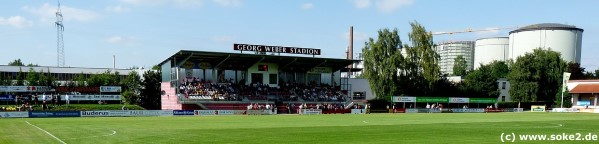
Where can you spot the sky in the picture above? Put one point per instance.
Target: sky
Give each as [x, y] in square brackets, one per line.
[143, 33]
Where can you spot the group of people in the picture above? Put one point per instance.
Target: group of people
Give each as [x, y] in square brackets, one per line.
[26, 102]
[194, 87]
[313, 92]
[257, 106]
[434, 106]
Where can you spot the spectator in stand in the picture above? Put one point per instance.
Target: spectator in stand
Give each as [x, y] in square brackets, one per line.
[35, 98]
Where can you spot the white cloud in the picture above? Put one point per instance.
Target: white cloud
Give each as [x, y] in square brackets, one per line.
[229, 2]
[307, 6]
[362, 3]
[359, 37]
[178, 3]
[16, 21]
[222, 38]
[117, 9]
[47, 13]
[385, 6]
[392, 5]
[120, 40]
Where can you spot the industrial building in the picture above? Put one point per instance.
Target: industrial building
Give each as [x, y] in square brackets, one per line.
[565, 39]
[448, 51]
[487, 50]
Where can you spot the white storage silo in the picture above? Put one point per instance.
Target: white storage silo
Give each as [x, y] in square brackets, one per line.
[487, 50]
[565, 39]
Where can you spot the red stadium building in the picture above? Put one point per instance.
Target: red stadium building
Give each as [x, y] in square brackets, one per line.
[258, 74]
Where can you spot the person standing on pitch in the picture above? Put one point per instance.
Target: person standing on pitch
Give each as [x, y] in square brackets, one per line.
[66, 98]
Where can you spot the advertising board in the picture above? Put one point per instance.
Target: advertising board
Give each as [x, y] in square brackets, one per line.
[43, 114]
[14, 114]
[311, 111]
[358, 111]
[537, 108]
[182, 112]
[95, 113]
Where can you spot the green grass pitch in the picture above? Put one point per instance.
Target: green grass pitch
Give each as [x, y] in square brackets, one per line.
[311, 129]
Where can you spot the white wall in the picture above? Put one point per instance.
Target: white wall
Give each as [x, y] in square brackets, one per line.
[361, 85]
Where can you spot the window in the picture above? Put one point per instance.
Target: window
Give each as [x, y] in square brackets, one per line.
[263, 67]
[272, 79]
[502, 98]
[503, 85]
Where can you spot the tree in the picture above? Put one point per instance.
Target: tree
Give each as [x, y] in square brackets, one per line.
[577, 72]
[536, 77]
[80, 80]
[482, 82]
[20, 78]
[381, 59]
[422, 42]
[32, 65]
[42, 78]
[32, 77]
[132, 84]
[459, 66]
[150, 94]
[567, 98]
[17, 62]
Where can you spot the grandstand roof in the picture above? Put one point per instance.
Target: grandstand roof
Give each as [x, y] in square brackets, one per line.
[242, 61]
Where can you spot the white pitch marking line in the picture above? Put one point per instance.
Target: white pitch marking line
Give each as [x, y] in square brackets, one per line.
[113, 133]
[364, 121]
[47, 133]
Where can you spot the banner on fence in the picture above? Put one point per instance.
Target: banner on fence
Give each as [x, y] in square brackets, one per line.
[14, 114]
[260, 112]
[41, 114]
[565, 110]
[468, 110]
[169, 112]
[411, 110]
[95, 113]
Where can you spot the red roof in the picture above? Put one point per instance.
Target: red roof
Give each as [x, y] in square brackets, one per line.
[585, 88]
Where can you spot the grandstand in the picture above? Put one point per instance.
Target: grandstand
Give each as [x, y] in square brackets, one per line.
[232, 81]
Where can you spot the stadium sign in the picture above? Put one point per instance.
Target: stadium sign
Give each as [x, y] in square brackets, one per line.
[64, 89]
[110, 89]
[276, 49]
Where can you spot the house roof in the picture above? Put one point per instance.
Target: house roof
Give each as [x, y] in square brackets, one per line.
[585, 88]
